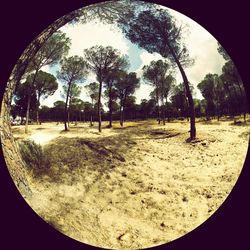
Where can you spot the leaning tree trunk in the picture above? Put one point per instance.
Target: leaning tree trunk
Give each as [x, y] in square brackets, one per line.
[99, 108]
[11, 153]
[188, 93]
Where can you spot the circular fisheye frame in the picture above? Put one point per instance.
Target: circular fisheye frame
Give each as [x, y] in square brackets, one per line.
[125, 125]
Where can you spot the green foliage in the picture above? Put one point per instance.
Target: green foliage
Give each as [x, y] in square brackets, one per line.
[126, 84]
[179, 100]
[45, 84]
[92, 91]
[156, 74]
[156, 30]
[32, 154]
[51, 52]
[21, 96]
[103, 60]
[73, 70]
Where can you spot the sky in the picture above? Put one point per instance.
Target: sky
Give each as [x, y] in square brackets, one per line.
[201, 44]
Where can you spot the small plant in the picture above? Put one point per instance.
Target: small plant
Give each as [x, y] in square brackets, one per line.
[32, 154]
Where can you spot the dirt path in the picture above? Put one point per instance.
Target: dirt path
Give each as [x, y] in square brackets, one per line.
[45, 135]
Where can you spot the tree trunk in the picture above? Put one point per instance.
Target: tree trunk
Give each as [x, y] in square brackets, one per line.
[37, 110]
[91, 120]
[27, 114]
[188, 93]
[99, 108]
[110, 106]
[110, 116]
[163, 114]
[121, 116]
[159, 109]
[68, 117]
[66, 108]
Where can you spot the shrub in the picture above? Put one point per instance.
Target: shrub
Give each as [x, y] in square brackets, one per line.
[32, 154]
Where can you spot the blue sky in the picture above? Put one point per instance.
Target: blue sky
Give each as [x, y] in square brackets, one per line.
[201, 44]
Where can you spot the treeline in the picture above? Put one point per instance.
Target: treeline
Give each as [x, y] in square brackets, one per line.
[224, 94]
[115, 87]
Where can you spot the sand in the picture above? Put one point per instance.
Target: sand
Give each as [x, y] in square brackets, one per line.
[163, 189]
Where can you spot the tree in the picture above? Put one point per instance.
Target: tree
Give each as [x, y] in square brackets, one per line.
[126, 85]
[130, 107]
[49, 54]
[112, 77]
[58, 110]
[92, 90]
[25, 94]
[234, 85]
[147, 108]
[45, 85]
[102, 61]
[73, 70]
[179, 101]
[156, 74]
[74, 92]
[77, 106]
[208, 91]
[157, 31]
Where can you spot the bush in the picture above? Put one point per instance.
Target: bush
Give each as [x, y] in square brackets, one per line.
[32, 154]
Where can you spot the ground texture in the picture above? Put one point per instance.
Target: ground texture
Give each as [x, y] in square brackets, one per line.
[138, 186]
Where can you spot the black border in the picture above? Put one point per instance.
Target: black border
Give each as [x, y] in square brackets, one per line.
[21, 21]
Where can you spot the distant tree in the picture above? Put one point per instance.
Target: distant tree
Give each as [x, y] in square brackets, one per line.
[112, 77]
[25, 95]
[102, 61]
[58, 110]
[156, 74]
[49, 54]
[130, 107]
[234, 85]
[46, 113]
[157, 31]
[147, 108]
[92, 90]
[179, 101]
[74, 93]
[77, 106]
[212, 90]
[87, 113]
[73, 70]
[126, 86]
[45, 85]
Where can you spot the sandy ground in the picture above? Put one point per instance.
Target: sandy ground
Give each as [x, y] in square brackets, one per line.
[162, 189]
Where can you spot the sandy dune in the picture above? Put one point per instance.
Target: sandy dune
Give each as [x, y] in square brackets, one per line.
[164, 187]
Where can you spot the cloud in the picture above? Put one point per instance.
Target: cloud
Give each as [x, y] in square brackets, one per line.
[94, 33]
